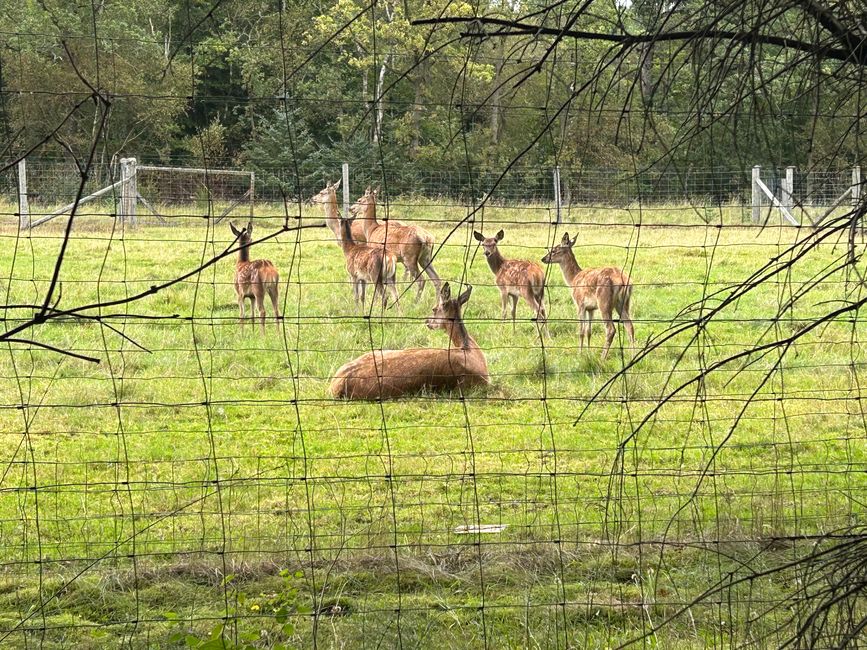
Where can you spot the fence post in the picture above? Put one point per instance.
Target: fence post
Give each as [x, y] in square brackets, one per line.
[345, 190]
[856, 184]
[788, 189]
[252, 192]
[757, 195]
[128, 190]
[23, 204]
[558, 204]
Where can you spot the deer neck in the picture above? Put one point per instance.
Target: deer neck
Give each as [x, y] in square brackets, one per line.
[459, 336]
[569, 267]
[496, 261]
[345, 236]
[370, 223]
[244, 254]
[332, 214]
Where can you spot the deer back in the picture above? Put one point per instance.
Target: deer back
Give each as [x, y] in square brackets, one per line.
[604, 287]
[392, 373]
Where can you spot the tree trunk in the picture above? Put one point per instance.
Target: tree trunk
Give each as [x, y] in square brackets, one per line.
[379, 109]
[496, 97]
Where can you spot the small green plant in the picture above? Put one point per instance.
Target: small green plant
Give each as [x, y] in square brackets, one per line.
[282, 605]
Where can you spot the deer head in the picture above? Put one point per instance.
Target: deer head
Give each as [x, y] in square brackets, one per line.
[365, 203]
[447, 311]
[560, 252]
[489, 243]
[244, 235]
[328, 194]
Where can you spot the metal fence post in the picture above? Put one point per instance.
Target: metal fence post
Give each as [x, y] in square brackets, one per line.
[128, 190]
[23, 204]
[252, 193]
[757, 195]
[345, 190]
[788, 189]
[558, 204]
[856, 184]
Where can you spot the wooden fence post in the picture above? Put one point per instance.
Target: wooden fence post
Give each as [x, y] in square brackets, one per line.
[345, 183]
[757, 195]
[128, 190]
[23, 203]
[558, 203]
[856, 184]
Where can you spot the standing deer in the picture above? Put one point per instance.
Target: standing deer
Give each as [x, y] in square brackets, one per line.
[327, 198]
[413, 246]
[515, 278]
[603, 289]
[367, 265]
[254, 279]
[385, 374]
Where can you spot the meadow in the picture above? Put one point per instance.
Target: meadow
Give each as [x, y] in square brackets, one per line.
[198, 480]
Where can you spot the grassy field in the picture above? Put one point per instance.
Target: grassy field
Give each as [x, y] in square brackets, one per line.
[199, 473]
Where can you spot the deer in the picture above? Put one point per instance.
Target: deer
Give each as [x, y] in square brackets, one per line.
[387, 374]
[254, 279]
[515, 279]
[367, 265]
[605, 289]
[327, 198]
[413, 246]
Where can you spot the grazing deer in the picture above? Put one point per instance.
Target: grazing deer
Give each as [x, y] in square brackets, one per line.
[413, 246]
[515, 278]
[384, 374]
[254, 279]
[603, 289]
[367, 265]
[327, 198]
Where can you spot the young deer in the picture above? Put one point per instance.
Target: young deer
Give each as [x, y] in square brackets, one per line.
[367, 264]
[413, 246]
[385, 374]
[516, 278]
[327, 198]
[603, 289]
[254, 279]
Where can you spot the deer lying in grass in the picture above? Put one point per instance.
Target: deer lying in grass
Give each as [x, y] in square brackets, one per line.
[254, 279]
[327, 198]
[367, 265]
[603, 289]
[515, 278]
[385, 374]
[413, 246]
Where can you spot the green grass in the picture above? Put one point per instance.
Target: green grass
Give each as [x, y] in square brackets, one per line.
[133, 486]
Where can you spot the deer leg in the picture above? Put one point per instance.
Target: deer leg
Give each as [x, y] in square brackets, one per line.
[252, 311]
[260, 307]
[362, 290]
[241, 300]
[610, 331]
[514, 309]
[272, 292]
[393, 290]
[416, 276]
[504, 301]
[626, 319]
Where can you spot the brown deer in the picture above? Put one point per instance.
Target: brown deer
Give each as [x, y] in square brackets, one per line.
[367, 265]
[603, 289]
[385, 374]
[254, 279]
[413, 246]
[327, 198]
[515, 278]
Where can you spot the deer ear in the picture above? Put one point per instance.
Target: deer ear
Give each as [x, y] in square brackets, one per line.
[445, 292]
[479, 236]
[465, 295]
[500, 235]
[250, 228]
[235, 231]
[376, 190]
[566, 241]
[337, 184]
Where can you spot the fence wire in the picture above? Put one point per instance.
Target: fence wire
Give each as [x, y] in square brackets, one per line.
[173, 476]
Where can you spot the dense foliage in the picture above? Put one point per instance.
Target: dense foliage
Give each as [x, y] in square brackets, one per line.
[297, 85]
